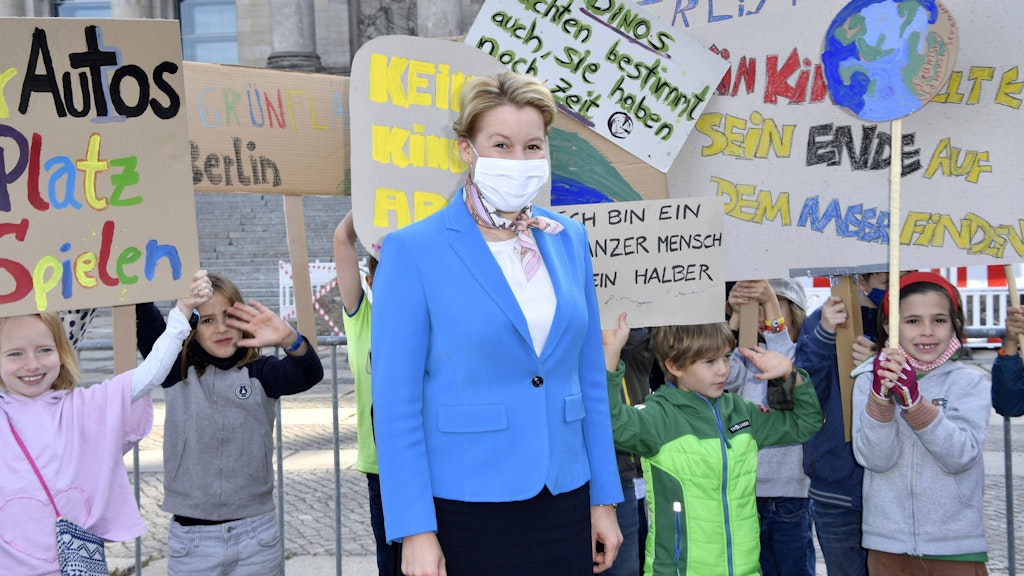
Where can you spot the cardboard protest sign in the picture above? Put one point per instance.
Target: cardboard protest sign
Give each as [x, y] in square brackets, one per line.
[267, 131]
[695, 13]
[660, 261]
[610, 64]
[96, 205]
[805, 184]
[404, 98]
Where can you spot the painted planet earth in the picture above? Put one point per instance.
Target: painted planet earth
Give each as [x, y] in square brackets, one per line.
[885, 59]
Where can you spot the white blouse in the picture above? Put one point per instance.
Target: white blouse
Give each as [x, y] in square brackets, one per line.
[536, 298]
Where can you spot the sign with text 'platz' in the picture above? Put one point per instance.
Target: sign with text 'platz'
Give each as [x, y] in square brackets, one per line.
[96, 203]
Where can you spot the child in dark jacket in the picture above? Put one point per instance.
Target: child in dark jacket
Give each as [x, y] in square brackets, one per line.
[1008, 369]
[836, 477]
[218, 434]
[699, 447]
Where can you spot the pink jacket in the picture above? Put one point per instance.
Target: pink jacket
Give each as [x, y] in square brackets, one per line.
[78, 440]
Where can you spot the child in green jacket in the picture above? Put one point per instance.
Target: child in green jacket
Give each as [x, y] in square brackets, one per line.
[699, 447]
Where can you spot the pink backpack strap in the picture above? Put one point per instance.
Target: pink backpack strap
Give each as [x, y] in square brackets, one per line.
[33, 463]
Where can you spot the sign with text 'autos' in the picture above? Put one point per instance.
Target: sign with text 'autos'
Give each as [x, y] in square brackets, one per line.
[610, 64]
[96, 204]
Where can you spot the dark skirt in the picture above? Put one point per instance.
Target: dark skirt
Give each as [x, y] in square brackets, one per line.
[545, 535]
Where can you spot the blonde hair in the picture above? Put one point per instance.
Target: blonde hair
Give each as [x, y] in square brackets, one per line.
[484, 93]
[686, 345]
[797, 315]
[70, 372]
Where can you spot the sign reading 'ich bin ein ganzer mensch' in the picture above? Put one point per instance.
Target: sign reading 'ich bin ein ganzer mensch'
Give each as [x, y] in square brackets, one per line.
[659, 261]
[610, 64]
[96, 201]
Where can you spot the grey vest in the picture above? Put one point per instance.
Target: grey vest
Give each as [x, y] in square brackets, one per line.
[218, 446]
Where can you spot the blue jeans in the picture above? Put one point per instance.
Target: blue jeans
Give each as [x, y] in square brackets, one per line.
[246, 547]
[627, 563]
[838, 531]
[787, 545]
[389, 560]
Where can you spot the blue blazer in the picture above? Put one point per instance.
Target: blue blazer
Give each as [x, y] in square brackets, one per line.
[464, 409]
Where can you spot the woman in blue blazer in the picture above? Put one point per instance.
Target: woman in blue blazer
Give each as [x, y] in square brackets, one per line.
[490, 406]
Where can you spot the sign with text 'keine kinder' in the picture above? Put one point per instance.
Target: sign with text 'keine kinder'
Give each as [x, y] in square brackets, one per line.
[267, 131]
[96, 205]
[659, 261]
[610, 64]
[405, 95]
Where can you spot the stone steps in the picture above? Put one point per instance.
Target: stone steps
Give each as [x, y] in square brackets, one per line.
[244, 236]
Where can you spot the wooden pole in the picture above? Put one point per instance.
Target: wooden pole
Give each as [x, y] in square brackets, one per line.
[748, 324]
[299, 255]
[846, 289]
[895, 171]
[124, 338]
[1011, 282]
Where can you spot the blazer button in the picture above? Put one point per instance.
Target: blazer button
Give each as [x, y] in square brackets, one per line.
[537, 381]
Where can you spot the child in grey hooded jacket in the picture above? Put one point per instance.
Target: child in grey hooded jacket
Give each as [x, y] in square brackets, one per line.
[924, 476]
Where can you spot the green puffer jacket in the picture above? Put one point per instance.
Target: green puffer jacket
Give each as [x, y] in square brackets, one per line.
[702, 454]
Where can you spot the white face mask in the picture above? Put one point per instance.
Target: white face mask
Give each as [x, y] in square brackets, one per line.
[509, 185]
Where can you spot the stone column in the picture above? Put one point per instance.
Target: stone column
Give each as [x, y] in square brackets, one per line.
[14, 8]
[293, 36]
[131, 9]
[439, 18]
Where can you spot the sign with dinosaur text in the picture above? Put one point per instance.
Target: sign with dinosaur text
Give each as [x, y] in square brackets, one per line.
[96, 205]
[610, 64]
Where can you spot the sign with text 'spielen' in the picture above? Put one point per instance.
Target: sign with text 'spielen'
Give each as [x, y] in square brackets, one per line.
[96, 201]
[610, 64]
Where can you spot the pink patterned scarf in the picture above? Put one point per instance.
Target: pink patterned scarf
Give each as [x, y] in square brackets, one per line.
[919, 367]
[489, 217]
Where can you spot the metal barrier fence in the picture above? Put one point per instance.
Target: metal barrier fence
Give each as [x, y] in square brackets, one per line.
[335, 341]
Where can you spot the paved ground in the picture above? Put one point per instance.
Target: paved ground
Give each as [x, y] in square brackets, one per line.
[310, 494]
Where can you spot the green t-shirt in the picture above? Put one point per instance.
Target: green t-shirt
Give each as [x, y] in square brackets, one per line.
[357, 332]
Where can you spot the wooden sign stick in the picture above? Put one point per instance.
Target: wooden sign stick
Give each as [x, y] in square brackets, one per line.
[748, 324]
[895, 171]
[124, 338]
[1011, 282]
[298, 253]
[846, 290]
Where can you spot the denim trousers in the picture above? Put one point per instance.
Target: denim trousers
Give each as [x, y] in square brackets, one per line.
[246, 547]
[838, 529]
[787, 544]
[629, 560]
[389, 558]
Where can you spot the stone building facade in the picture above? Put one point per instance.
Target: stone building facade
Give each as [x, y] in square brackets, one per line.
[310, 35]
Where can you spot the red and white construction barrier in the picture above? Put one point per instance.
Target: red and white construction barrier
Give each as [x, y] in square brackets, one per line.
[323, 278]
